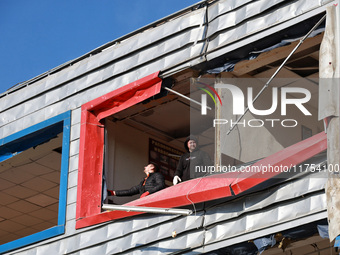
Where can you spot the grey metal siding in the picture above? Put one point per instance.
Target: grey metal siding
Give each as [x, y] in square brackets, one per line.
[176, 44]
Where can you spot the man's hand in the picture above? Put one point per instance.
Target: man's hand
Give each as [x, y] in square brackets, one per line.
[145, 194]
[176, 180]
[111, 192]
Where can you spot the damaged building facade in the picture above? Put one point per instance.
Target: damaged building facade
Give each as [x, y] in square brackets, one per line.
[95, 122]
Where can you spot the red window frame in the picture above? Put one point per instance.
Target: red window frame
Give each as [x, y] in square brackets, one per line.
[91, 144]
[91, 150]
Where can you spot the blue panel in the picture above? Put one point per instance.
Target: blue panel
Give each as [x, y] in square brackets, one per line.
[35, 128]
[31, 140]
[64, 171]
[7, 155]
[43, 235]
[337, 242]
[31, 137]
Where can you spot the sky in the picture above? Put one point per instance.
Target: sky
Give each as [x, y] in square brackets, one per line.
[38, 35]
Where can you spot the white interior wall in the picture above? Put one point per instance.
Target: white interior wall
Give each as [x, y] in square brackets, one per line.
[127, 154]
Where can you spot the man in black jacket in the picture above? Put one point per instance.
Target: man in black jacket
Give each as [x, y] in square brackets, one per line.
[154, 181]
[186, 168]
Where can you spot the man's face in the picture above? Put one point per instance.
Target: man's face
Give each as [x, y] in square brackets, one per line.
[149, 169]
[192, 145]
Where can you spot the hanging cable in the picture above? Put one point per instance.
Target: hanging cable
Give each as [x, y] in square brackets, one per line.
[277, 71]
[185, 97]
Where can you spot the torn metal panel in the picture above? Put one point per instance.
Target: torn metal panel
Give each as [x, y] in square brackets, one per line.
[223, 48]
[232, 19]
[229, 65]
[260, 233]
[283, 212]
[160, 232]
[284, 192]
[175, 245]
[261, 23]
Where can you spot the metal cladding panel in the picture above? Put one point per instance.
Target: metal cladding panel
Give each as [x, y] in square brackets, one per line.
[168, 246]
[123, 235]
[260, 22]
[72, 197]
[177, 245]
[224, 6]
[151, 36]
[75, 132]
[222, 44]
[73, 176]
[39, 112]
[78, 92]
[158, 233]
[233, 18]
[73, 164]
[284, 192]
[75, 118]
[280, 226]
[283, 212]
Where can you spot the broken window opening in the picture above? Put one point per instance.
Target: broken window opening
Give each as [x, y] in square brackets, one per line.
[34, 183]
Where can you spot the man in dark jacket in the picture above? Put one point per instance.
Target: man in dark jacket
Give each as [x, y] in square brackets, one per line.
[186, 168]
[154, 181]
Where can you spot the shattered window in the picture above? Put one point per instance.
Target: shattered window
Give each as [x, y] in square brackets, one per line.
[31, 198]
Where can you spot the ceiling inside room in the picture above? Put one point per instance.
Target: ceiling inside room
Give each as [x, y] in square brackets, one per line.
[29, 190]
